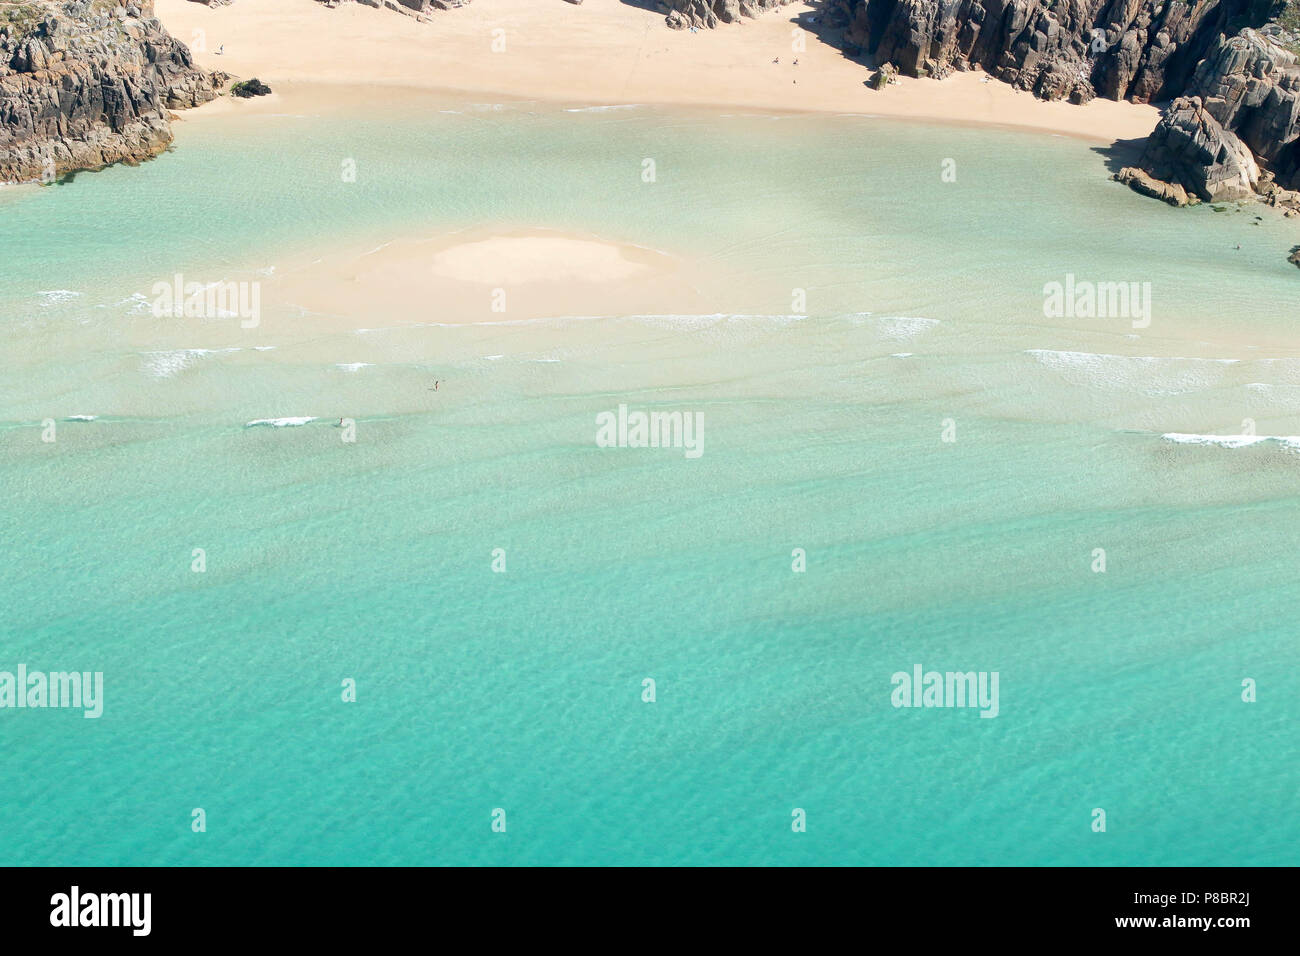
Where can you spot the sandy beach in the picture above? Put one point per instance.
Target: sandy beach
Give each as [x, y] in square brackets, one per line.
[602, 52]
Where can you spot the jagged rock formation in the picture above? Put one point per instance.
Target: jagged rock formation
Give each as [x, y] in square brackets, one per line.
[1140, 50]
[1245, 107]
[419, 9]
[1189, 148]
[1234, 121]
[702, 14]
[1250, 84]
[86, 83]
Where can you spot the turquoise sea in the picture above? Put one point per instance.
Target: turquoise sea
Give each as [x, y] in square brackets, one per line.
[823, 430]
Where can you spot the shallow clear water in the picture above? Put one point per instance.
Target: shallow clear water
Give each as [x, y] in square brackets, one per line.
[522, 690]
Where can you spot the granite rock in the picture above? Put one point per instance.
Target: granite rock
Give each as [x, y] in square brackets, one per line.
[87, 83]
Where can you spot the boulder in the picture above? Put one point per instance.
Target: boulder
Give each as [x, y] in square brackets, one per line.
[887, 74]
[1143, 182]
[249, 88]
[1190, 148]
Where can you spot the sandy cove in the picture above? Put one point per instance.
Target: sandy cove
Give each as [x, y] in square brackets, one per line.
[603, 52]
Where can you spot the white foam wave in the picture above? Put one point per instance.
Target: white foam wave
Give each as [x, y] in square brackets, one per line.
[353, 366]
[1277, 394]
[1284, 371]
[683, 320]
[54, 296]
[280, 422]
[139, 303]
[1146, 374]
[905, 327]
[1231, 441]
[170, 363]
[602, 109]
[708, 320]
[895, 327]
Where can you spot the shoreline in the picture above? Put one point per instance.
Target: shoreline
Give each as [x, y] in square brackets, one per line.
[322, 97]
[567, 54]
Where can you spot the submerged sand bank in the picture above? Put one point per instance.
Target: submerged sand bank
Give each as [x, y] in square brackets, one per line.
[489, 275]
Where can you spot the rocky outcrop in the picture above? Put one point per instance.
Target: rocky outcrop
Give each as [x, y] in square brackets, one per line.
[886, 75]
[419, 9]
[1250, 84]
[1236, 135]
[1143, 182]
[1234, 122]
[1190, 148]
[706, 14]
[87, 83]
[246, 89]
[1140, 50]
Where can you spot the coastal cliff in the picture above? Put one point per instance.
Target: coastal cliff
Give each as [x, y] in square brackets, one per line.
[1227, 68]
[1139, 50]
[87, 83]
[1235, 133]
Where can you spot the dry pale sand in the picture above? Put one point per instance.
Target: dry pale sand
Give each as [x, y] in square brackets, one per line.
[603, 51]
